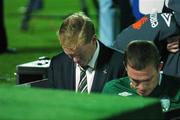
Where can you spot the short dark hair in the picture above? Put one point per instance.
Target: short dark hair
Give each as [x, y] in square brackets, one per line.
[140, 53]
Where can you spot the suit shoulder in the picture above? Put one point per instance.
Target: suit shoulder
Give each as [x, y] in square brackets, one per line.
[117, 53]
[117, 58]
[59, 57]
[60, 60]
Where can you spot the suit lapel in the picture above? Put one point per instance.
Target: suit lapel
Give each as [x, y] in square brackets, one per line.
[99, 78]
[70, 76]
[101, 69]
[73, 77]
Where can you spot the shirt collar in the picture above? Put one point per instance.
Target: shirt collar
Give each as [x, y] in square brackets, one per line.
[92, 62]
[160, 77]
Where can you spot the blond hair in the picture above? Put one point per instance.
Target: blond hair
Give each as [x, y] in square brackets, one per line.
[76, 29]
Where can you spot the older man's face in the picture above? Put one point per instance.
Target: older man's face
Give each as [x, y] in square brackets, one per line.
[82, 54]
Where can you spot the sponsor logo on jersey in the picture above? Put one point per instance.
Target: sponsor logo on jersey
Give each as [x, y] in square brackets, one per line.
[137, 25]
[167, 18]
[125, 94]
[153, 20]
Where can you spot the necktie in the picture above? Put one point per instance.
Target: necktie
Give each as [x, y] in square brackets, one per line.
[82, 86]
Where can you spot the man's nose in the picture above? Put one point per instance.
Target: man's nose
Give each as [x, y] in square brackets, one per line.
[140, 86]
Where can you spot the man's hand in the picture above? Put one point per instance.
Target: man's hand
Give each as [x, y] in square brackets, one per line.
[173, 44]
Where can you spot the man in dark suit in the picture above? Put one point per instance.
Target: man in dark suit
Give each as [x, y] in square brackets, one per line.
[3, 37]
[82, 50]
[142, 62]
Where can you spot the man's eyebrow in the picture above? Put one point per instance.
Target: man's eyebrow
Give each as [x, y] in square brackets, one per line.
[141, 80]
[150, 78]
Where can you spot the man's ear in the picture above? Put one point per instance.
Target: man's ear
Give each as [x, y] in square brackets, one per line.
[125, 65]
[94, 38]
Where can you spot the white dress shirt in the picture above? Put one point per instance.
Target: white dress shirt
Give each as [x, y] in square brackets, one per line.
[90, 72]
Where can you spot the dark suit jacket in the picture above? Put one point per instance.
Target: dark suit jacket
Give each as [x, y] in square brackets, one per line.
[61, 73]
[3, 36]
